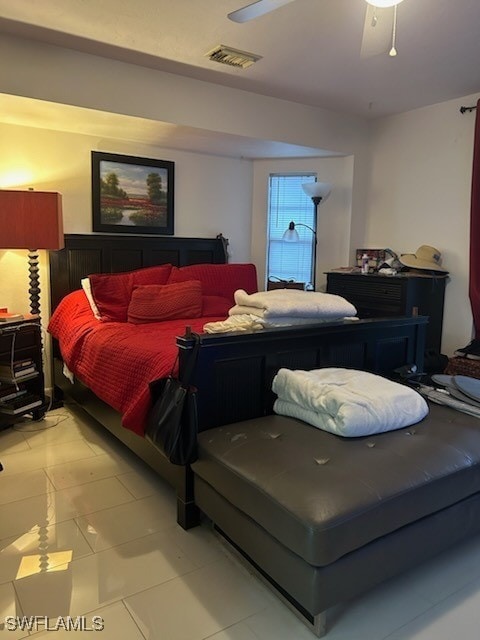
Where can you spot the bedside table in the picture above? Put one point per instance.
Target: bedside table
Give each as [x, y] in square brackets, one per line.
[22, 385]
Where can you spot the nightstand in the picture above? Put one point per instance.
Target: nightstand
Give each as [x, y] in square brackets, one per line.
[22, 386]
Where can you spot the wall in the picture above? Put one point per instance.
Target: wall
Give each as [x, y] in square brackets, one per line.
[58, 161]
[334, 216]
[419, 193]
[73, 77]
[55, 161]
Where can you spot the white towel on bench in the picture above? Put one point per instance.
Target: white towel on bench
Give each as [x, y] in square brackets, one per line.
[291, 303]
[347, 402]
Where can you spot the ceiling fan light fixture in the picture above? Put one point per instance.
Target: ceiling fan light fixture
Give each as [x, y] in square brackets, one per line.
[384, 3]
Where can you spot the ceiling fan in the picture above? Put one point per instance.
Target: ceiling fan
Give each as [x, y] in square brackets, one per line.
[380, 22]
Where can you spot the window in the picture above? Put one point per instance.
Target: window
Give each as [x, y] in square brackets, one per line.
[288, 202]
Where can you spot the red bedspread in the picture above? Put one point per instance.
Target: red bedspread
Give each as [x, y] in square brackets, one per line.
[118, 360]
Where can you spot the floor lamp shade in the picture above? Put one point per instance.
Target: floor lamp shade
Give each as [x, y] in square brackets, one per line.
[318, 191]
[31, 220]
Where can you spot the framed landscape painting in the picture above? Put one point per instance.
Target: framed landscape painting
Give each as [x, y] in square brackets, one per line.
[132, 195]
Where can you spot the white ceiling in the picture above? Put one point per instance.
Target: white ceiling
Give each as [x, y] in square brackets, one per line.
[310, 48]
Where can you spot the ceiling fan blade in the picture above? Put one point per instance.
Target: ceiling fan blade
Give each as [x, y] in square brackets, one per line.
[377, 31]
[256, 9]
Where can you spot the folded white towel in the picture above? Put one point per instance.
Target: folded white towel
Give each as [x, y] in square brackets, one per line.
[347, 402]
[292, 303]
[244, 322]
[250, 322]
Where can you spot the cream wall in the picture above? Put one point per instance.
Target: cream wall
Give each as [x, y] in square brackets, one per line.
[58, 161]
[419, 193]
[55, 161]
[334, 215]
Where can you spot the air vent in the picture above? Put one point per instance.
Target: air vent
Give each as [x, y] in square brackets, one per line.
[232, 57]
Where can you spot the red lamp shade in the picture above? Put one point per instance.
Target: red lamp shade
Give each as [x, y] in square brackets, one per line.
[31, 220]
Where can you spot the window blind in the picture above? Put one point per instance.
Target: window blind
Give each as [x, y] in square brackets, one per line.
[288, 202]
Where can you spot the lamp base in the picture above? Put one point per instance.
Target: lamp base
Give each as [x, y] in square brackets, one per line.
[34, 290]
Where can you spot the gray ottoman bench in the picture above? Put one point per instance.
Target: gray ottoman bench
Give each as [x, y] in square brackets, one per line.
[324, 518]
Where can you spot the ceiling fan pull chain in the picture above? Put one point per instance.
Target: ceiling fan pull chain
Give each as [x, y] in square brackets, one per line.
[393, 52]
[374, 17]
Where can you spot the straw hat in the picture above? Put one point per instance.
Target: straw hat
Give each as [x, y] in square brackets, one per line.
[425, 257]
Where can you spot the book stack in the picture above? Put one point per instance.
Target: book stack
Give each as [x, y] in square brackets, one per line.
[15, 399]
[17, 370]
[19, 402]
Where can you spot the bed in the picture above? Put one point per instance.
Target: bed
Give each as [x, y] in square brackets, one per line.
[234, 371]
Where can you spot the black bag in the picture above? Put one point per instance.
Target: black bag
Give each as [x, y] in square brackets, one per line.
[172, 422]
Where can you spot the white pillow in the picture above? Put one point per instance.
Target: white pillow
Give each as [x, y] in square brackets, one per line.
[88, 292]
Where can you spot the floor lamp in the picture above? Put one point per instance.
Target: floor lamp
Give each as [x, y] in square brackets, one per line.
[318, 191]
[31, 220]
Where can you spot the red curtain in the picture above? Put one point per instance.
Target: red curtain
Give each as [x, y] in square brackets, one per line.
[475, 230]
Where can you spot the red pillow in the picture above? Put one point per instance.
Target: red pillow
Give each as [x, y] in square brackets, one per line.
[156, 302]
[219, 279]
[112, 291]
[216, 306]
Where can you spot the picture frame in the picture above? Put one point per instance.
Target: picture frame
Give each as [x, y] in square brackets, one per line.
[132, 195]
[376, 257]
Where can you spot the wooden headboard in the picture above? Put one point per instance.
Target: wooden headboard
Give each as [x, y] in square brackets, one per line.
[99, 253]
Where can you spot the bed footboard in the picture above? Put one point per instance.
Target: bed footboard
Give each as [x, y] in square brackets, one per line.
[235, 371]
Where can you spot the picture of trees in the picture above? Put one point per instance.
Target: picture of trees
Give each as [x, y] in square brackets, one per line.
[132, 195]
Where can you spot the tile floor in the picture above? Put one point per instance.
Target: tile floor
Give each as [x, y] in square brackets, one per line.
[87, 530]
